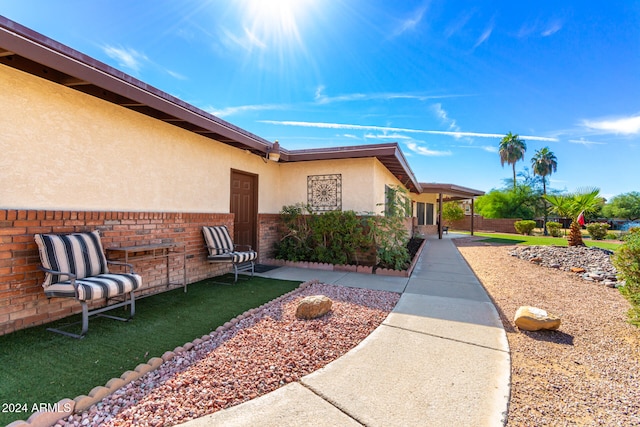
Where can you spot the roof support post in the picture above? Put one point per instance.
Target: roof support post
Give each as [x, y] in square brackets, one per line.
[439, 215]
[472, 215]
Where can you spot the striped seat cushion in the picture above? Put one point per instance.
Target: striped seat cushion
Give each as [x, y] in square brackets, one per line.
[96, 287]
[218, 240]
[79, 253]
[234, 257]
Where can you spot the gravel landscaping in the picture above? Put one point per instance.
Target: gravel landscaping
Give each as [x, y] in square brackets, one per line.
[264, 351]
[585, 374]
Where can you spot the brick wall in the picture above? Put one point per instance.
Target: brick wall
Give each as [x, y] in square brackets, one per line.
[426, 230]
[500, 225]
[270, 228]
[22, 300]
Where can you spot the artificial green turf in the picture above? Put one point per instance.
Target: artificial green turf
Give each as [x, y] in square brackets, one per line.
[519, 239]
[37, 366]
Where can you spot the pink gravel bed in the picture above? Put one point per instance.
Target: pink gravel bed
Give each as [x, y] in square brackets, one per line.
[263, 352]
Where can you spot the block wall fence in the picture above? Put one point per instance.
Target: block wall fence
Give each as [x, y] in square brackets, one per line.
[22, 300]
[500, 225]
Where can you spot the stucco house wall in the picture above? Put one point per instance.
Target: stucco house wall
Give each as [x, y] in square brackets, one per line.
[73, 162]
[68, 150]
[363, 182]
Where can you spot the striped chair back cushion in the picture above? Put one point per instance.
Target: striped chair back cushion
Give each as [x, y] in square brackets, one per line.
[78, 253]
[218, 239]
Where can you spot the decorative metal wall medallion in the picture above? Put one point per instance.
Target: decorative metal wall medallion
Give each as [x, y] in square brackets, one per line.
[324, 192]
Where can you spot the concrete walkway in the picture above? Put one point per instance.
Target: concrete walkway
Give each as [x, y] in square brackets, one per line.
[440, 358]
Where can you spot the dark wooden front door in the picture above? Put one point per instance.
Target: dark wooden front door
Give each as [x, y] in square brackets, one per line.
[244, 204]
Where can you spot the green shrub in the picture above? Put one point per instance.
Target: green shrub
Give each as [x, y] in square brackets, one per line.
[296, 244]
[554, 228]
[627, 262]
[611, 236]
[389, 232]
[333, 237]
[525, 226]
[597, 230]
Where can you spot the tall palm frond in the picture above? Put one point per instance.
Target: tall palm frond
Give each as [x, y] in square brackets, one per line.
[544, 163]
[511, 150]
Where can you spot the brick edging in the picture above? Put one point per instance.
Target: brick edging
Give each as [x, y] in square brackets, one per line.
[366, 269]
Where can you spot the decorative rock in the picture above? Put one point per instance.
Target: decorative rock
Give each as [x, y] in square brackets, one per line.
[533, 319]
[590, 263]
[313, 306]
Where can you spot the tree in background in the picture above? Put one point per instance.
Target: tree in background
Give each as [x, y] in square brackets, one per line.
[625, 206]
[519, 202]
[451, 211]
[583, 201]
[544, 163]
[511, 150]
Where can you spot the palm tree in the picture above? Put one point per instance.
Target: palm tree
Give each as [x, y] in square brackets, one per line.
[511, 150]
[572, 205]
[544, 163]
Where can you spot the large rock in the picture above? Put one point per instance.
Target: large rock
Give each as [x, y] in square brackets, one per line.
[313, 306]
[534, 319]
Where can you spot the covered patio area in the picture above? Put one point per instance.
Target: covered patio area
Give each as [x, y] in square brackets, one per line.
[450, 193]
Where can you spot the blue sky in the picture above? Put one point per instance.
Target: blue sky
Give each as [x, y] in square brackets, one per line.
[444, 79]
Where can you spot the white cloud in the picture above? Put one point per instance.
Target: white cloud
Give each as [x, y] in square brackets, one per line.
[626, 125]
[349, 135]
[488, 148]
[540, 29]
[456, 134]
[229, 111]
[444, 117]
[458, 24]
[126, 57]
[321, 98]
[484, 36]
[410, 23]
[386, 136]
[247, 41]
[585, 142]
[424, 151]
[553, 28]
[176, 75]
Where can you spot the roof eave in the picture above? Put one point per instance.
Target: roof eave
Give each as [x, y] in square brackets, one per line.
[84, 70]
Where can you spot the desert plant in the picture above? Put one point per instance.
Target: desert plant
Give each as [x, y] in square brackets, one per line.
[627, 262]
[554, 228]
[333, 237]
[597, 230]
[575, 206]
[525, 226]
[295, 245]
[337, 237]
[389, 232]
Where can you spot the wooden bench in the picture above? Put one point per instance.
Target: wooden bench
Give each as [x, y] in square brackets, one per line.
[75, 267]
[222, 250]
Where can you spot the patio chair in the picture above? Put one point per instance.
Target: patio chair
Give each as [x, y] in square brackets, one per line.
[222, 250]
[75, 267]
